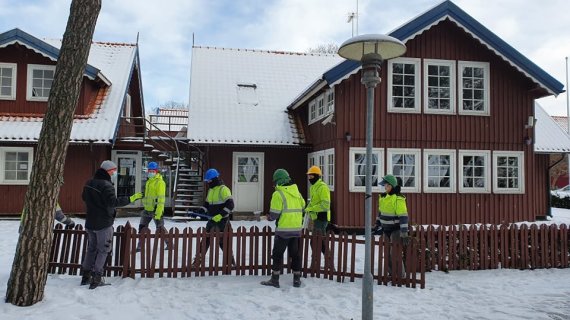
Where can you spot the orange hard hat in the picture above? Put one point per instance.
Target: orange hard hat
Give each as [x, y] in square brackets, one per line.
[315, 170]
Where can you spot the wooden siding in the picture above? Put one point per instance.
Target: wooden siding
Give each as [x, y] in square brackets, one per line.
[511, 102]
[80, 164]
[23, 56]
[294, 160]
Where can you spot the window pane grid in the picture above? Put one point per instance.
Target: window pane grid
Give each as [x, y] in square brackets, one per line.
[439, 87]
[403, 85]
[439, 171]
[474, 172]
[508, 172]
[473, 88]
[41, 82]
[360, 169]
[16, 166]
[404, 167]
[6, 80]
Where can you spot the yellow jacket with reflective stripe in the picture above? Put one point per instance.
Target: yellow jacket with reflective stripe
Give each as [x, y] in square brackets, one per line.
[320, 199]
[154, 195]
[216, 201]
[286, 207]
[393, 212]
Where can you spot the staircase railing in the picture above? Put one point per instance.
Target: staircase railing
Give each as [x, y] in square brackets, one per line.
[160, 138]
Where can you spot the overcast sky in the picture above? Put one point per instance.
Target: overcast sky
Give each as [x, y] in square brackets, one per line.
[538, 29]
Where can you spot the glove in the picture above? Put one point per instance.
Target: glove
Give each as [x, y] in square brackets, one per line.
[217, 218]
[136, 196]
[405, 238]
[377, 230]
[313, 215]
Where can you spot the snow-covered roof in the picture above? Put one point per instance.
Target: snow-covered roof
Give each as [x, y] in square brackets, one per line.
[115, 61]
[562, 121]
[549, 136]
[240, 96]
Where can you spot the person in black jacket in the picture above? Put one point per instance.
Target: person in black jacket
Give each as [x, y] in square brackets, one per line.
[100, 202]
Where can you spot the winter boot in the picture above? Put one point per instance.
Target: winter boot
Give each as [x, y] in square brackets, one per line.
[274, 281]
[86, 278]
[296, 279]
[97, 281]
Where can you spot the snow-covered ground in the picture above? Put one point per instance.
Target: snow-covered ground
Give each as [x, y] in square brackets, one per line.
[491, 294]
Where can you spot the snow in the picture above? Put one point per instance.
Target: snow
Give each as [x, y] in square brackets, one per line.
[490, 294]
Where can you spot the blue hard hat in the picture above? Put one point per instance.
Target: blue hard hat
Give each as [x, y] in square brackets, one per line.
[211, 174]
[152, 166]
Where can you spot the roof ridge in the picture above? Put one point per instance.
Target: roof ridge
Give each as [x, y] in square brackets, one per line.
[98, 42]
[266, 51]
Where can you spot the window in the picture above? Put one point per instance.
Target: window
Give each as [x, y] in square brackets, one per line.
[321, 106]
[439, 171]
[7, 81]
[508, 172]
[15, 165]
[247, 94]
[404, 85]
[312, 111]
[473, 88]
[474, 172]
[325, 161]
[330, 101]
[40, 79]
[405, 164]
[357, 168]
[439, 85]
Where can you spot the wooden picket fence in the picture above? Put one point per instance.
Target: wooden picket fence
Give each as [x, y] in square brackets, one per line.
[495, 247]
[171, 254]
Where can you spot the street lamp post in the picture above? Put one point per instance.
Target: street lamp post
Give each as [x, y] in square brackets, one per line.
[371, 50]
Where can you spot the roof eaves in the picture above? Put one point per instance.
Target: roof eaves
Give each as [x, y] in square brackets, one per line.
[448, 9]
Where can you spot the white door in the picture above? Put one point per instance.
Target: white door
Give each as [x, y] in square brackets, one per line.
[247, 186]
[129, 172]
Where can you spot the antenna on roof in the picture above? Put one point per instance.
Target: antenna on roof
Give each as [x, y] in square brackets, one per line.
[192, 39]
[353, 17]
[137, 38]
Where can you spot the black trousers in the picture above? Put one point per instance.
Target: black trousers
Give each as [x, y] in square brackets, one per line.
[212, 226]
[292, 247]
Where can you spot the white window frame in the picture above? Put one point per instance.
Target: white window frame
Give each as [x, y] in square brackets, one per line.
[14, 67]
[417, 84]
[312, 111]
[321, 159]
[486, 154]
[521, 167]
[29, 88]
[486, 73]
[329, 94]
[321, 108]
[380, 172]
[417, 163]
[3, 151]
[452, 173]
[452, 88]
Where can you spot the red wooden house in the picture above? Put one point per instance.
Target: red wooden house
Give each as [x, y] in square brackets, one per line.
[111, 89]
[455, 120]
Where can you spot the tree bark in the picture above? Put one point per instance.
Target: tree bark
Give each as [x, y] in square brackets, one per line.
[29, 268]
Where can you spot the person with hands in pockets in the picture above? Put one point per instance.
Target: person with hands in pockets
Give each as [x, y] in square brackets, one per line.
[219, 205]
[153, 199]
[392, 220]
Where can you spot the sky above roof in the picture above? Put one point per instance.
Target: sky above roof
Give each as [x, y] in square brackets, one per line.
[168, 28]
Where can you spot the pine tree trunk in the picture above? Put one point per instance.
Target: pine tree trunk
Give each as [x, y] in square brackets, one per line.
[29, 269]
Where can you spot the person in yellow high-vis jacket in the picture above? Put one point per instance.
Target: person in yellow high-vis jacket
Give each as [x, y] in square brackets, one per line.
[286, 209]
[219, 205]
[392, 218]
[319, 210]
[153, 199]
